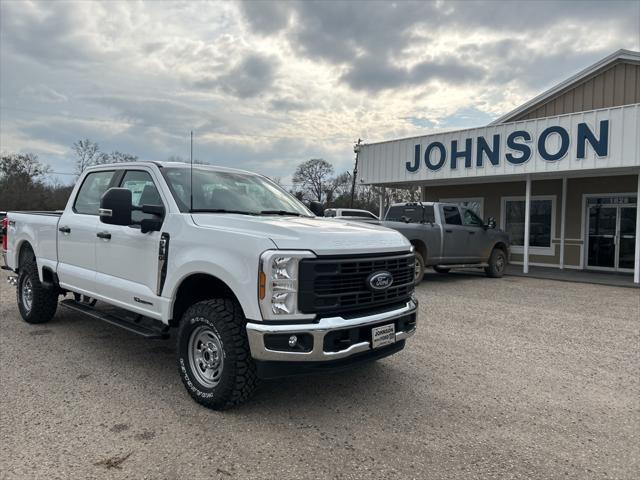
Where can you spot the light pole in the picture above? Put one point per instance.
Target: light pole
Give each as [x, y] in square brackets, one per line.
[356, 150]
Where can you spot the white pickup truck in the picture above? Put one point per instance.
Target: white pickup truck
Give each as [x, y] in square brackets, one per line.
[255, 284]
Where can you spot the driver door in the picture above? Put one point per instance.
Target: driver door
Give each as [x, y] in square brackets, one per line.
[127, 259]
[479, 244]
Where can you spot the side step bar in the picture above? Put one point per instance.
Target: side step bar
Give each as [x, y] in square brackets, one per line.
[133, 326]
[465, 265]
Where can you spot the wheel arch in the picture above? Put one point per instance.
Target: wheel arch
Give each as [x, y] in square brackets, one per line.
[25, 252]
[420, 247]
[502, 246]
[195, 288]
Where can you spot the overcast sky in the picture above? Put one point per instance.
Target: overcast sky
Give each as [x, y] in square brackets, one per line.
[265, 85]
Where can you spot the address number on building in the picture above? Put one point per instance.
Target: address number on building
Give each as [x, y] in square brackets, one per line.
[383, 335]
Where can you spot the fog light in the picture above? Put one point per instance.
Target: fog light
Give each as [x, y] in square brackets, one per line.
[293, 340]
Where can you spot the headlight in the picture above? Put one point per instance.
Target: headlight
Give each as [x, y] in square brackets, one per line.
[278, 284]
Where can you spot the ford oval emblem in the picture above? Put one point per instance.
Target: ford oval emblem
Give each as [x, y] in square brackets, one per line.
[380, 280]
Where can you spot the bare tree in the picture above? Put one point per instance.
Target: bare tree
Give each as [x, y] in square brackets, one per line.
[88, 154]
[312, 177]
[337, 187]
[116, 157]
[23, 185]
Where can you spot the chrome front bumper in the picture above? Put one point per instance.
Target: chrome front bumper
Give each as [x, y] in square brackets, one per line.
[257, 331]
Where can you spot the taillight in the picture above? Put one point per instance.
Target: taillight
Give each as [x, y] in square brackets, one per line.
[5, 233]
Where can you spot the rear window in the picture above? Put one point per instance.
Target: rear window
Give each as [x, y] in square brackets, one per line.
[410, 213]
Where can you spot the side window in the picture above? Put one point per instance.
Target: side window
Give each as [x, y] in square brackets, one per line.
[93, 187]
[470, 219]
[143, 192]
[451, 215]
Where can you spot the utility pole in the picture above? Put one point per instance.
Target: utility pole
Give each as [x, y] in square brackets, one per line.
[356, 150]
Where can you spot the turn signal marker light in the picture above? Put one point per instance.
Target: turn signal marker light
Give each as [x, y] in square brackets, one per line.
[262, 285]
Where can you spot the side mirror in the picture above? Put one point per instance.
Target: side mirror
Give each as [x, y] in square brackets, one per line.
[150, 225]
[317, 208]
[157, 210]
[115, 207]
[491, 222]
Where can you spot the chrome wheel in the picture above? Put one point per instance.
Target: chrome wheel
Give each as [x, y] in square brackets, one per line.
[417, 269]
[206, 356]
[499, 263]
[26, 294]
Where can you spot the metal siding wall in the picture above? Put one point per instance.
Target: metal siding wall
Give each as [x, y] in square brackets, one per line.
[619, 85]
[384, 163]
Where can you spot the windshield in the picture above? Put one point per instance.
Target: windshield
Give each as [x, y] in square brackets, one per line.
[232, 192]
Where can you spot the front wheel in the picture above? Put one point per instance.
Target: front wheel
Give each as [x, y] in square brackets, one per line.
[418, 271]
[36, 302]
[497, 264]
[214, 358]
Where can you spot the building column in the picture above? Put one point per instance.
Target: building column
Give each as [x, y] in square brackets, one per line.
[563, 216]
[527, 225]
[381, 210]
[636, 267]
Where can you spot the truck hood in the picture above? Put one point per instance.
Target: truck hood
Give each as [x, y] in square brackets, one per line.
[320, 235]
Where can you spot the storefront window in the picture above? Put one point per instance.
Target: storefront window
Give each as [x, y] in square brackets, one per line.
[541, 227]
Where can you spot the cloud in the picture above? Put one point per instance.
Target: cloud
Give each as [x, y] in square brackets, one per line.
[265, 85]
[368, 73]
[250, 77]
[42, 93]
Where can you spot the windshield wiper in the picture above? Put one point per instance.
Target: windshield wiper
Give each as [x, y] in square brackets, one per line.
[280, 212]
[220, 210]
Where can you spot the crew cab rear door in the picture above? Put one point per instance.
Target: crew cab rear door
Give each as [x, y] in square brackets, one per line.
[77, 234]
[126, 259]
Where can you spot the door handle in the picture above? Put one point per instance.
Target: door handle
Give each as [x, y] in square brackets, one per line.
[448, 231]
[104, 235]
[65, 230]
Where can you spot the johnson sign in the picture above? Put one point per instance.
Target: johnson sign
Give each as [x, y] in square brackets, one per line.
[552, 145]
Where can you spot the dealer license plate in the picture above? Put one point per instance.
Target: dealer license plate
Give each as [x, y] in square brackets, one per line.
[383, 335]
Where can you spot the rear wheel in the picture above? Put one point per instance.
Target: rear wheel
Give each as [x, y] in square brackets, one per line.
[442, 269]
[419, 268]
[497, 263]
[36, 302]
[214, 358]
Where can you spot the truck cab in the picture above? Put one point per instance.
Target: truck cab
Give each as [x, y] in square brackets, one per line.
[253, 283]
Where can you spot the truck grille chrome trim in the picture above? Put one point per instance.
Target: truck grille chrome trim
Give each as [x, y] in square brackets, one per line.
[257, 331]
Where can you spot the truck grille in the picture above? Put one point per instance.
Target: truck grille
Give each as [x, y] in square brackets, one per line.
[338, 285]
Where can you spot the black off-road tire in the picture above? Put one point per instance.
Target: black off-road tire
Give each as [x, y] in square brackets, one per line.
[237, 381]
[497, 264]
[44, 299]
[441, 269]
[419, 269]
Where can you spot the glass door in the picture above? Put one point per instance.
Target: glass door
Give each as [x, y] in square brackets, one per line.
[611, 237]
[627, 250]
[602, 236]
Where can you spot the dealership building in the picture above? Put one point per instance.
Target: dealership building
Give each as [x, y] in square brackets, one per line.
[569, 157]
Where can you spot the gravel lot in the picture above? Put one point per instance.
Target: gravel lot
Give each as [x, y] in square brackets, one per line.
[510, 378]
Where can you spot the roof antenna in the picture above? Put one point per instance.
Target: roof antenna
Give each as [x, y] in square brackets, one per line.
[191, 174]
